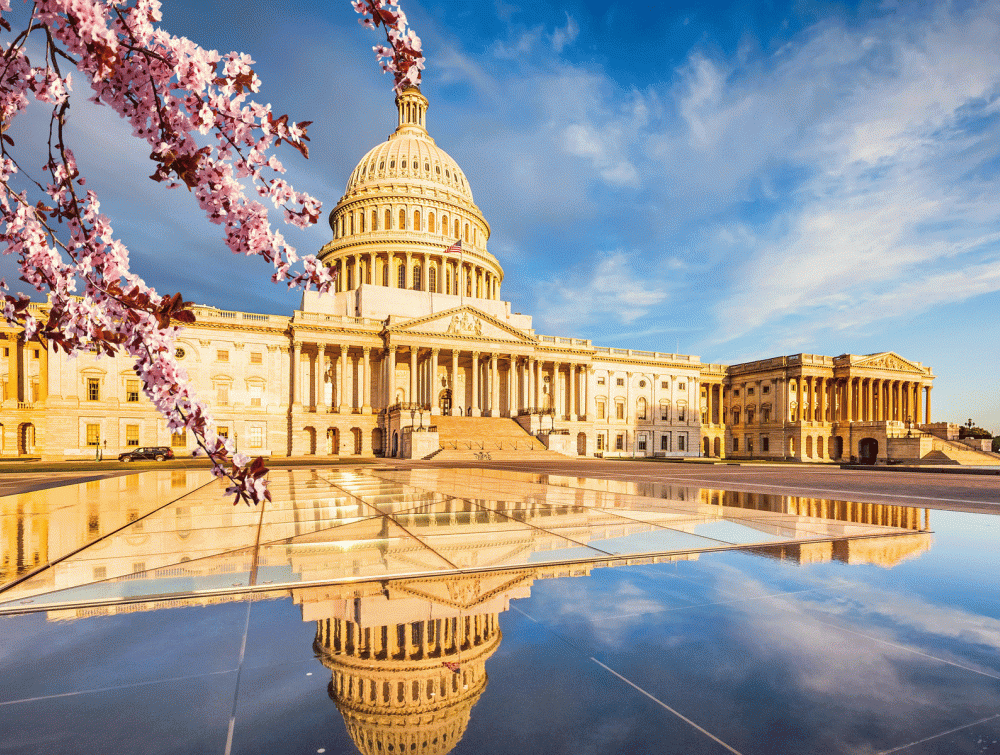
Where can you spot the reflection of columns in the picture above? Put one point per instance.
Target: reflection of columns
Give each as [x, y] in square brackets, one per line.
[475, 385]
[344, 405]
[494, 387]
[366, 381]
[435, 408]
[413, 374]
[454, 382]
[320, 382]
[297, 373]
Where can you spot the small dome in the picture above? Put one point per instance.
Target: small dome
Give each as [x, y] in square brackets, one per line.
[409, 154]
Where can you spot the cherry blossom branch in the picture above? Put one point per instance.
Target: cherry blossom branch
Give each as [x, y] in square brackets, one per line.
[176, 96]
[402, 57]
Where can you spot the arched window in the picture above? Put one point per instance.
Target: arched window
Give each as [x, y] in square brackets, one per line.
[640, 408]
[468, 285]
[430, 222]
[466, 231]
[401, 275]
[385, 273]
[416, 277]
[457, 235]
[432, 279]
[402, 219]
[374, 220]
[447, 281]
[361, 217]
[388, 219]
[416, 220]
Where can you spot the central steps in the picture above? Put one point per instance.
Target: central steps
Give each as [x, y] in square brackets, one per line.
[479, 438]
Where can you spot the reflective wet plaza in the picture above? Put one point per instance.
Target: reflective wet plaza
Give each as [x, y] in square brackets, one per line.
[390, 610]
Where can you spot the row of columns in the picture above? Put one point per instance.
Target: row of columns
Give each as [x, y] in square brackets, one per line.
[816, 398]
[451, 276]
[411, 641]
[338, 365]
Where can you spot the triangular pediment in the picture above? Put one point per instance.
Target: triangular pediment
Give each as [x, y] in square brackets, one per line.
[466, 323]
[887, 360]
[465, 592]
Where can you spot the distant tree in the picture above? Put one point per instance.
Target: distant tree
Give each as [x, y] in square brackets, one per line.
[192, 108]
[974, 432]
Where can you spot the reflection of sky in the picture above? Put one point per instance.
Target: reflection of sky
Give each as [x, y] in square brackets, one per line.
[767, 655]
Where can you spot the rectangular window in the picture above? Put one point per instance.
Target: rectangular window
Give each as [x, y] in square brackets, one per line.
[222, 432]
[6, 351]
[736, 392]
[750, 391]
[765, 443]
[256, 437]
[36, 353]
[256, 357]
[620, 411]
[600, 381]
[682, 442]
[765, 389]
[749, 445]
[765, 415]
[620, 381]
[178, 440]
[600, 410]
[642, 442]
[641, 410]
[682, 386]
[736, 444]
[93, 435]
[132, 390]
[681, 411]
[222, 394]
[600, 442]
[620, 442]
[665, 411]
[131, 435]
[665, 384]
[93, 389]
[221, 355]
[256, 395]
[665, 442]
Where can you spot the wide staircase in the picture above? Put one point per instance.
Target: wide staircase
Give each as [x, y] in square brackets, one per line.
[952, 452]
[487, 438]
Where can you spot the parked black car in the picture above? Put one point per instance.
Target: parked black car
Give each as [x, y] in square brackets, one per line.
[157, 453]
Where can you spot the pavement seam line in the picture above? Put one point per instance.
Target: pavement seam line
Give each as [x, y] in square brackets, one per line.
[941, 734]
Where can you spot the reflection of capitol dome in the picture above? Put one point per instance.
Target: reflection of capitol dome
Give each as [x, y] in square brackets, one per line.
[406, 202]
[391, 683]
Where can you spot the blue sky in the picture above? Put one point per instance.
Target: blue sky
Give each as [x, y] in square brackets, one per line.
[737, 180]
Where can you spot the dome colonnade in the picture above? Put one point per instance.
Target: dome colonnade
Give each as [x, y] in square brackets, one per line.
[406, 205]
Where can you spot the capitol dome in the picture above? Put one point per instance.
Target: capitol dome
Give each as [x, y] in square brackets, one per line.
[406, 209]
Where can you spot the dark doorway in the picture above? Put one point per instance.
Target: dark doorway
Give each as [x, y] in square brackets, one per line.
[868, 450]
[444, 402]
[838, 447]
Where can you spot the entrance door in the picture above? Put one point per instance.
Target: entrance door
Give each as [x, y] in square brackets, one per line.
[868, 450]
[444, 402]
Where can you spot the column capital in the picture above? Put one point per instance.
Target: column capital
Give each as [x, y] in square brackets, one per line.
[435, 351]
[367, 350]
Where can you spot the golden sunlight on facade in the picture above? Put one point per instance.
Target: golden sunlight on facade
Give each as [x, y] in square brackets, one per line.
[416, 354]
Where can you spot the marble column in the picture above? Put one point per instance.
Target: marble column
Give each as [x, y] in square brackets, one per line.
[366, 380]
[389, 377]
[455, 403]
[476, 412]
[297, 373]
[435, 407]
[494, 387]
[412, 397]
[320, 378]
[345, 402]
[927, 408]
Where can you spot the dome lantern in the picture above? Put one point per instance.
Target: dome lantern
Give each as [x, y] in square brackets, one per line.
[412, 107]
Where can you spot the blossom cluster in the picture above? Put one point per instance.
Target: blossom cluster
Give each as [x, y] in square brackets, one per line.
[402, 56]
[192, 106]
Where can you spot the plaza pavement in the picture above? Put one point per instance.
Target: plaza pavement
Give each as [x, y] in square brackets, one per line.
[954, 490]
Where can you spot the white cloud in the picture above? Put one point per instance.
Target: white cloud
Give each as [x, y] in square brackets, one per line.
[565, 35]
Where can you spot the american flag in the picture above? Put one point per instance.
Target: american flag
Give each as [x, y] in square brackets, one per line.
[456, 247]
[451, 666]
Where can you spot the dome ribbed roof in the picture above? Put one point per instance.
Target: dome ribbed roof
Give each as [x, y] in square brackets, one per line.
[409, 155]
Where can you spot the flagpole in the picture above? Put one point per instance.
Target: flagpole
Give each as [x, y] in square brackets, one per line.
[461, 266]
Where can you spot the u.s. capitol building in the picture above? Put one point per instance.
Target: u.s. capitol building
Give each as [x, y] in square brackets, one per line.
[417, 354]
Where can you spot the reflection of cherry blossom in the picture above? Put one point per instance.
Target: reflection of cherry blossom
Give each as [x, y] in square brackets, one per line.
[173, 93]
